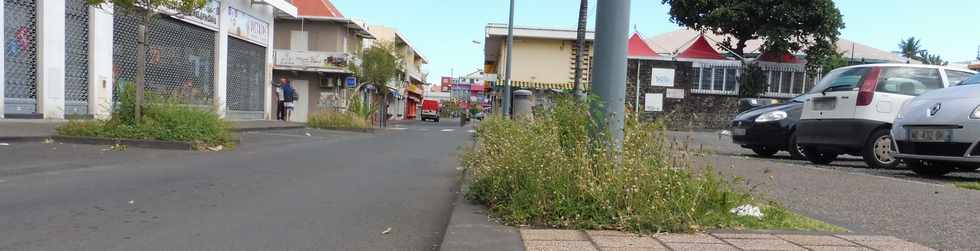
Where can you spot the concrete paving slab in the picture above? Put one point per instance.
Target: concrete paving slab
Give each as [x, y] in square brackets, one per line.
[626, 242]
[816, 240]
[687, 238]
[552, 235]
[559, 246]
[764, 244]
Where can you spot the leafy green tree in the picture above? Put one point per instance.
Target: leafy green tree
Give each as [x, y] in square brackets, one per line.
[811, 26]
[911, 48]
[378, 65]
[145, 11]
[933, 59]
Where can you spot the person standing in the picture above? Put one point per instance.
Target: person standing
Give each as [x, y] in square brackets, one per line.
[289, 98]
[280, 99]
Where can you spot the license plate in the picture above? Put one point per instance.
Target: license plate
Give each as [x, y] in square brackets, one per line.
[738, 131]
[930, 135]
[824, 104]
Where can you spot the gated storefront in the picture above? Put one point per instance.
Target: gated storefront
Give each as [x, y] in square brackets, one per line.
[76, 58]
[246, 79]
[20, 58]
[248, 38]
[179, 60]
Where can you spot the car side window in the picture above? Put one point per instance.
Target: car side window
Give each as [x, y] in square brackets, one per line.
[955, 77]
[975, 80]
[841, 79]
[910, 81]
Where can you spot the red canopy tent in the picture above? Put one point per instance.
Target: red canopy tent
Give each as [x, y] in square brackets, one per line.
[777, 57]
[701, 49]
[639, 48]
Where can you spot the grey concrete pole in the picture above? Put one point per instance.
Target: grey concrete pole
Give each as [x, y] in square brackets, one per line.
[609, 76]
[510, 45]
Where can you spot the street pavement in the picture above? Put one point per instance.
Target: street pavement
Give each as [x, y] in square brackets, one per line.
[297, 189]
[888, 202]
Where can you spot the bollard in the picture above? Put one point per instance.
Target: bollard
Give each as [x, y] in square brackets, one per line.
[522, 104]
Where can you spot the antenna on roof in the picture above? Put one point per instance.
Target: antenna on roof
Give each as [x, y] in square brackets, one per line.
[978, 52]
[635, 30]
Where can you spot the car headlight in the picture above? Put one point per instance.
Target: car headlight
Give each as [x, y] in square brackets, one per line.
[976, 113]
[771, 116]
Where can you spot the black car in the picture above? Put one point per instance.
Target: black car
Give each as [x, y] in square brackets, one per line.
[769, 129]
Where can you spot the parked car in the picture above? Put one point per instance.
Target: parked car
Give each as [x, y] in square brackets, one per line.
[768, 129]
[939, 132]
[852, 109]
[430, 110]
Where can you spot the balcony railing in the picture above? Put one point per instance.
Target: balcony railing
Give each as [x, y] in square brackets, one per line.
[313, 61]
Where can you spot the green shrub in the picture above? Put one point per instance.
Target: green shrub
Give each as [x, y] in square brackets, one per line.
[550, 172]
[333, 119]
[163, 119]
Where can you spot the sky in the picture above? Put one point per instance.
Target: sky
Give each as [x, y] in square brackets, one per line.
[444, 31]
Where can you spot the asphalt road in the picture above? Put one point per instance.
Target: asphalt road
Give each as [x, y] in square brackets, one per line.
[280, 190]
[894, 202]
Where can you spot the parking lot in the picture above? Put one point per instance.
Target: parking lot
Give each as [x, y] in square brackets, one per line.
[894, 202]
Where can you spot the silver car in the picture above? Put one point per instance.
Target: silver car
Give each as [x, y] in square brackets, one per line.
[939, 132]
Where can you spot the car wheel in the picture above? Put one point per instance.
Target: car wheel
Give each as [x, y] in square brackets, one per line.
[795, 150]
[816, 156]
[929, 168]
[437, 120]
[878, 151]
[765, 151]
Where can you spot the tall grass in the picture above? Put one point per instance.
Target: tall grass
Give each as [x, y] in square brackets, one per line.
[329, 119]
[163, 119]
[550, 172]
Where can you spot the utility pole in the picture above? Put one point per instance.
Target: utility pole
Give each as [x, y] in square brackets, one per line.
[583, 18]
[609, 76]
[510, 45]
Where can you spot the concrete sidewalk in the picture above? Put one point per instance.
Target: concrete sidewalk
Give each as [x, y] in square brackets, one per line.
[538, 239]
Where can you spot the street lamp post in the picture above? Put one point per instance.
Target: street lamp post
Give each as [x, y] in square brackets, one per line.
[609, 78]
[510, 45]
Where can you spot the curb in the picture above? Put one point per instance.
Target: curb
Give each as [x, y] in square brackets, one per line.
[153, 144]
[256, 129]
[471, 229]
[24, 139]
[362, 130]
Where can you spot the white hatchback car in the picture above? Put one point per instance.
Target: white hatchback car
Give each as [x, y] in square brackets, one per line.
[939, 132]
[852, 109]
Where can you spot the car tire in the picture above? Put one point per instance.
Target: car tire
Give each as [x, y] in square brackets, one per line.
[795, 150]
[437, 120]
[878, 151]
[765, 151]
[929, 168]
[816, 156]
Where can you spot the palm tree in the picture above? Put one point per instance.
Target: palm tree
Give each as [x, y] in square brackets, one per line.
[911, 48]
[932, 59]
[583, 15]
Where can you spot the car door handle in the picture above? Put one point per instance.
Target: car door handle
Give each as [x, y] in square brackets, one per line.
[845, 97]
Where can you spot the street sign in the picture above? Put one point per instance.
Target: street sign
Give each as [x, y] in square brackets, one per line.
[351, 82]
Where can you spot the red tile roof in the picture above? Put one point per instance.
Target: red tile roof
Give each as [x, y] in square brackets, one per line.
[639, 47]
[701, 49]
[317, 8]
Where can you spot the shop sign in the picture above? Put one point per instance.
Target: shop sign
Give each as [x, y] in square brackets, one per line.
[247, 27]
[654, 102]
[662, 77]
[312, 59]
[351, 82]
[207, 16]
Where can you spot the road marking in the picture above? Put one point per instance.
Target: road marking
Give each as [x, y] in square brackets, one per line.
[447, 130]
[471, 131]
[398, 128]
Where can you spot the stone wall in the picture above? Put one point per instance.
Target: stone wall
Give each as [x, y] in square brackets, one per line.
[692, 112]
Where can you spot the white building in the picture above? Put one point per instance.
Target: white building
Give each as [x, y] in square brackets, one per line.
[63, 59]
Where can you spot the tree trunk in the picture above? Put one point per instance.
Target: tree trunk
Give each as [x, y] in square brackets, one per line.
[140, 69]
[583, 14]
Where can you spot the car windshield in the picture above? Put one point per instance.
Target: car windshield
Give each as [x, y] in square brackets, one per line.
[975, 80]
[841, 79]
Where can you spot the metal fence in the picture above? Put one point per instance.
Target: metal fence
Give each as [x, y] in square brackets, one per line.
[180, 58]
[20, 72]
[721, 78]
[76, 57]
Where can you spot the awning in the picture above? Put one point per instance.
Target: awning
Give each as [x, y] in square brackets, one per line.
[281, 5]
[476, 87]
[777, 57]
[701, 49]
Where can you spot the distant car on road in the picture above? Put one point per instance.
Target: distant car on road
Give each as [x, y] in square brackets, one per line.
[768, 129]
[430, 110]
[939, 132]
[852, 109]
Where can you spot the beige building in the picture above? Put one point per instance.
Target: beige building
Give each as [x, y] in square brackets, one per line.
[314, 51]
[410, 83]
[543, 57]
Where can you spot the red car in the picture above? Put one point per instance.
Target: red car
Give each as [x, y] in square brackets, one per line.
[430, 110]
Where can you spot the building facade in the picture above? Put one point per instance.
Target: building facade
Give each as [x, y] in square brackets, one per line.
[407, 88]
[314, 51]
[65, 59]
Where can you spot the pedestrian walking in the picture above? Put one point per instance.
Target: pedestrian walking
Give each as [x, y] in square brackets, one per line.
[280, 99]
